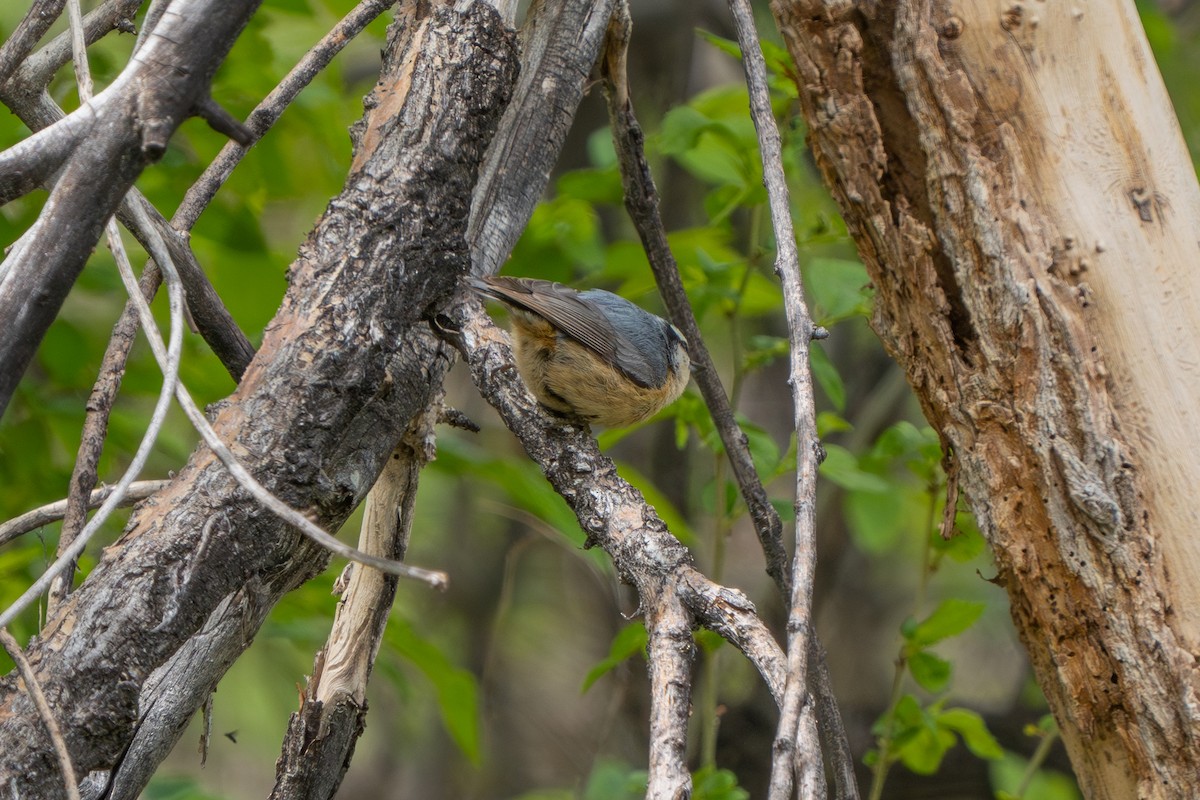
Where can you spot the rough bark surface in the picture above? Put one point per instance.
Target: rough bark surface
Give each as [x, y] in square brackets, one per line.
[1017, 186]
[344, 366]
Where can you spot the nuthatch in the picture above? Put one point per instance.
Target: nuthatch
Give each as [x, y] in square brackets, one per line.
[592, 354]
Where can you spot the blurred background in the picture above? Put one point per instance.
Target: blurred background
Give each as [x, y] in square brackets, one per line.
[527, 679]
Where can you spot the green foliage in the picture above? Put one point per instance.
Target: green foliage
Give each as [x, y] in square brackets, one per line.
[456, 689]
[710, 783]
[629, 642]
[613, 780]
[177, 787]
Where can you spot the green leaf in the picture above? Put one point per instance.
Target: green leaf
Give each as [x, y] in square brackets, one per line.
[840, 289]
[878, 520]
[592, 185]
[829, 422]
[841, 467]
[827, 377]
[966, 544]
[629, 641]
[612, 780]
[727, 46]
[456, 689]
[1008, 772]
[918, 741]
[709, 641]
[932, 673]
[974, 732]
[710, 783]
[763, 449]
[950, 618]
[177, 787]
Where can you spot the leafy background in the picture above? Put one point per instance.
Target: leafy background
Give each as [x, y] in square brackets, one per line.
[525, 679]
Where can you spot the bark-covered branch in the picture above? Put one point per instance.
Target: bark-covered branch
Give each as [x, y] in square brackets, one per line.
[129, 126]
[316, 415]
[615, 517]
[560, 41]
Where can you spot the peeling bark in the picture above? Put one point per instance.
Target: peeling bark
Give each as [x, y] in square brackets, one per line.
[1017, 186]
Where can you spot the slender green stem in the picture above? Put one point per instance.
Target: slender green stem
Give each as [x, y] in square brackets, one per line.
[1036, 760]
[879, 773]
[710, 682]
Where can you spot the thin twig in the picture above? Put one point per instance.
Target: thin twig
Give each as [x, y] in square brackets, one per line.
[34, 688]
[642, 202]
[797, 753]
[39, 517]
[268, 112]
[61, 585]
[39, 18]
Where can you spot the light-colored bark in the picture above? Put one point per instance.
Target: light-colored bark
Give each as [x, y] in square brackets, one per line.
[1018, 187]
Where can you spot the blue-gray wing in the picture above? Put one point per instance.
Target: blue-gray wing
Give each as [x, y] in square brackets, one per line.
[624, 335]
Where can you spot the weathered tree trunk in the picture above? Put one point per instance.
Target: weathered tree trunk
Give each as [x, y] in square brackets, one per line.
[1016, 182]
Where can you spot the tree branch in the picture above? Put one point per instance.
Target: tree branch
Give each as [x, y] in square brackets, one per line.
[313, 417]
[797, 749]
[560, 41]
[40, 517]
[41, 15]
[135, 117]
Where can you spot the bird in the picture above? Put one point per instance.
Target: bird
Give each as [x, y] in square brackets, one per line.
[592, 354]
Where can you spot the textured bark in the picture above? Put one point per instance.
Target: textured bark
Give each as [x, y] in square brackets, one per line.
[1017, 186]
[321, 736]
[344, 366]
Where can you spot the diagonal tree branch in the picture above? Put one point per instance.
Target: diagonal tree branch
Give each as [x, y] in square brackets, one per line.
[316, 414]
[560, 40]
[41, 15]
[134, 119]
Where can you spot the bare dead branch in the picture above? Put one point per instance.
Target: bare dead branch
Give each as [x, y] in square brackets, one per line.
[560, 42]
[641, 201]
[268, 112]
[671, 651]
[34, 688]
[35, 74]
[31, 162]
[137, 114]
[39, 18]
[335, 700]
[797, 751]
[221, 121]
[83, 74]
[52, 512]
[730, 613]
